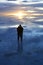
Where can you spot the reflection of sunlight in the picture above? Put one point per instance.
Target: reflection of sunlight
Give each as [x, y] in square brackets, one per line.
[13, 26]
[9, 26]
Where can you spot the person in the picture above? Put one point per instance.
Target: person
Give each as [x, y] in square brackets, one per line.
[20, 35]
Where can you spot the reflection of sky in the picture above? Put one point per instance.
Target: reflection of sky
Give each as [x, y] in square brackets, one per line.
[34, 14]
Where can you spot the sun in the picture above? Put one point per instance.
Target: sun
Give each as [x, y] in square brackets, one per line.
[19, 15]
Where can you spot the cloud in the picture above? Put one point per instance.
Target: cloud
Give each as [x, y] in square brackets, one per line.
[39, 20]
[34, 10]
[39, 8]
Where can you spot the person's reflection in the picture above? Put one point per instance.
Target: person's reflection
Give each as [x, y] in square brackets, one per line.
[20, 36]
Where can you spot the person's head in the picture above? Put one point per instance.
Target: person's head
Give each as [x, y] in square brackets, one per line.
[20, 25]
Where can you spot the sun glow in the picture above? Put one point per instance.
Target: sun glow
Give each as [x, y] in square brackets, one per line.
[19, 15]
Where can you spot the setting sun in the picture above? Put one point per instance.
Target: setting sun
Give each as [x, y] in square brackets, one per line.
[19, 15]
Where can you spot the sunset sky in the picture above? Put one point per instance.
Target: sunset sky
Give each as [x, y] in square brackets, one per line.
[23, 11]
[21, 0]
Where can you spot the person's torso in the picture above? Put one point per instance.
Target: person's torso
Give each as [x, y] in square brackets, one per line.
[20, 30]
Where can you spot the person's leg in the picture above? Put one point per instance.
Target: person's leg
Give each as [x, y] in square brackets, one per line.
[21, 43]
[21, 38]
[18, 43]
[18, 38]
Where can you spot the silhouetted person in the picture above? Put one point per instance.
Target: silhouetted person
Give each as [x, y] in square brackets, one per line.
[20, 36]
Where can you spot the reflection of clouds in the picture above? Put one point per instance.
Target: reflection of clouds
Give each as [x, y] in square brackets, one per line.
[4, 28]
[8, 26]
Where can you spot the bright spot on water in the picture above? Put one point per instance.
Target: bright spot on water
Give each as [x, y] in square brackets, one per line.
[3, 29]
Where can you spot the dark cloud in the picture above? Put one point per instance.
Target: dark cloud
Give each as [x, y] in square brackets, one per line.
[24, 0]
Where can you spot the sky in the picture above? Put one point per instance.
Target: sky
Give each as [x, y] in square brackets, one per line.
[33, 11]
[20, 0]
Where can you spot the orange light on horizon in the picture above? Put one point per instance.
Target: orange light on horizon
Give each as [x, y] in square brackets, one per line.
[19, 14]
